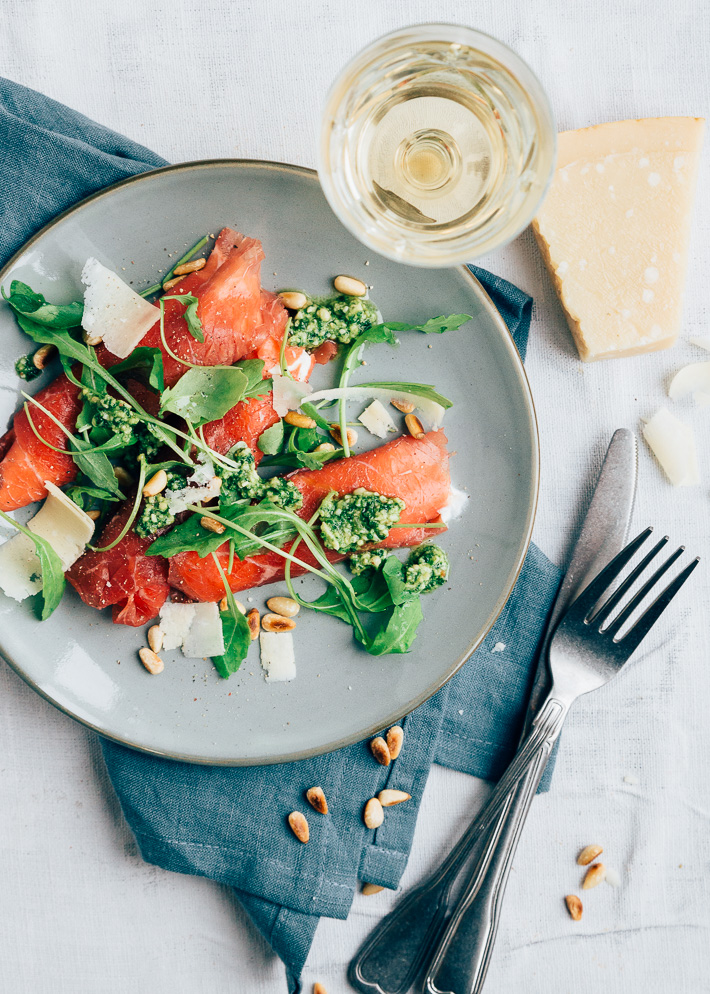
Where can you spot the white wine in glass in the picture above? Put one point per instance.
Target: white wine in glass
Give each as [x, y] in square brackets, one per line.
[437, 145]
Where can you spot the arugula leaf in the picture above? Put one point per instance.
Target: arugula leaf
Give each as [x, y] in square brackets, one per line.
[371, 594]
[253, 369]
[313, 412]
[53, 581]
[438, 326]
[393, 575]
[77, 492]
[271, 440]
[425, 390]
[25, 301]
[398, 631]
[143, 358]
[298, 460]
[237, 640]
[60, 336]
[190, 536]
[194, 325]
[205, 393]
[95, 465]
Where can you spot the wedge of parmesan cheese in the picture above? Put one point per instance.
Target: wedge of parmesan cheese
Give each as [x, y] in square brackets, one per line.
[673, 444]
[614, 230]
[113, 311]
[277, 656]
[67, 529]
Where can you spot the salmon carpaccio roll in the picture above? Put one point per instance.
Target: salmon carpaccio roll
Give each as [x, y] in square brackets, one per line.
[414, 469]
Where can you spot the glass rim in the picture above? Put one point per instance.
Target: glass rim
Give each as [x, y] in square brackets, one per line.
[459, 248]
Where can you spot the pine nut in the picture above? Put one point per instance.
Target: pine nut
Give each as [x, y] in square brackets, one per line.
[403, 405]
[316, 799]
[373, 815]
[253, 622]
[284, 606]
[123, 477]
[378, 748]
[43, 355]
[92, 340]
[368, 889]
[324, 447]
[293, 299]
[156, 484]
[395, 738]
[152, 662]
[588, 855]
[335, 432]
[299, 420]
[224, 605]
[155, 637]
[594, 876]
[389, 797]
[319, 989]
[299, 826]
[169, 284]
[277, 623]
[190, 267]
[414, 426]
[94, 515]
[210, 525]
[574, 906]
[350, 286]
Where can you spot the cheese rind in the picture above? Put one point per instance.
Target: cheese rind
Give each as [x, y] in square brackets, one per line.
[614, 231]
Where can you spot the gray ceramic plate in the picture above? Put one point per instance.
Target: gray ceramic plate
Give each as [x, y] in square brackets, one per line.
[88, 667]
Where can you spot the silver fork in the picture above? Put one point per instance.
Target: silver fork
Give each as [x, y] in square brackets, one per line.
[584, 654]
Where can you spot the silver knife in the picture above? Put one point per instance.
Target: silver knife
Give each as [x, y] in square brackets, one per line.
[395, 951]
[461, 961]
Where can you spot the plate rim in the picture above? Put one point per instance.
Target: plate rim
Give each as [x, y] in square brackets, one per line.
[517, 365]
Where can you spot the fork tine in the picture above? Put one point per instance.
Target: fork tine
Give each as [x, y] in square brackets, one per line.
[618, 623]
[648, 619]
[605, 610]
[593, 591]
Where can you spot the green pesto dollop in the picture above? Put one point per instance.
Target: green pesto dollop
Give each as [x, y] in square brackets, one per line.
[336, 319]
[26, 369]
[360, 562]
[121, 420]
[349, 522]
[243, 482]
[155, 513]
[426, 569]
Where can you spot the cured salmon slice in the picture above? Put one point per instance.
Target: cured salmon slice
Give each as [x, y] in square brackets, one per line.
[417, 470]
[135, 585]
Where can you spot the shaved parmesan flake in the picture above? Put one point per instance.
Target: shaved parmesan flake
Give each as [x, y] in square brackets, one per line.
[113, 311]
[703, 343]
[299, 368]
[377, 420]
[432, 411]
[690, 378]
[454, 506]
[205, 635]
[277, 656]
[288, 395]
[204, 472]
[672, 443]
[178, 500]
[175, 620]
[67, 529]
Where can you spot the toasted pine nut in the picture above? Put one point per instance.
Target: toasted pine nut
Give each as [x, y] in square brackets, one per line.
[43, 355]
[169, 284]
[414, 426]
[335, 432]
[319, 989]
[152, 662]
[324, 447]
[293, 299]
[389, 797]
[395, 738]
[403, 405]
[253, 622]
[224, 605]
[588, 855]
[94, 515]
[574, 906]
[316, 799]
[299, 420]
[213, 526]
[156, 484]
[277, 623]
[594, 875]
[93, 340]
[368, 889]
[373, 815]
[350, 286]
[190, 267]
[122, 475]
[378, 748]
[155, 637]
[284, 606]
[299, 826]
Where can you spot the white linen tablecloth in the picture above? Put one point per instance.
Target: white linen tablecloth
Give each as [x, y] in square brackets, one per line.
[80, 913]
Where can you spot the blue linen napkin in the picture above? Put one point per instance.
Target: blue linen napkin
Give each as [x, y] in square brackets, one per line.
[229, 824]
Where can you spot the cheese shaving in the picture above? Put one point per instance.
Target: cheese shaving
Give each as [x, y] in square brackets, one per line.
[673, 445]
[113, 311]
